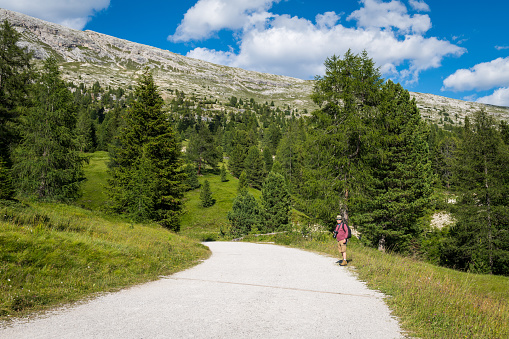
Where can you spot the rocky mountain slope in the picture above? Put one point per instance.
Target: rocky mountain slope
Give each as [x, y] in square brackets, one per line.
[88, 57]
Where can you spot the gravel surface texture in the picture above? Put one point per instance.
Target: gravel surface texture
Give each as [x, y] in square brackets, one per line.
[244, 290]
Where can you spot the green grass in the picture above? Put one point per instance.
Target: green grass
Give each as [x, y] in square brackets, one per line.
[206, 223]
[95, 187]
[51, 254]
[430, 301]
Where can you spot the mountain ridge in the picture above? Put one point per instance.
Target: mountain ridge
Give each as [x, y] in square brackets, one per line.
[88, 56]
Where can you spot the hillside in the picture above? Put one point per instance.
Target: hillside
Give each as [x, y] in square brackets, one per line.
[88, 56]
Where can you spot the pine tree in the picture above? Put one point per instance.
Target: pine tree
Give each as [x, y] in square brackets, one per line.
[255, 167]
[191, 181]
[47, 164]
[223, 173]
[479, 241]
[245, 214]
[398, 191]
[15, 75]
[243, 183]
[146, 176]
[347, 96]
[203, 148]
[275, 203]
[206, 195]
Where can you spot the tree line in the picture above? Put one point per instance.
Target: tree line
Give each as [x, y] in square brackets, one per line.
[366, 153]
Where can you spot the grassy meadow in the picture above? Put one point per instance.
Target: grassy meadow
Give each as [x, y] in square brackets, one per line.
[54, 253]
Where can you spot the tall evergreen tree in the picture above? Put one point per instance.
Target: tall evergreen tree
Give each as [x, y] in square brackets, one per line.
[347, 95]
[479, 241]
[148, 154]
[203, 148]
[15, 75]
[255, 167]
[243, 184]
[398, 191]
[46, 162]
[275, 203]
[245, 214]
[206, 195]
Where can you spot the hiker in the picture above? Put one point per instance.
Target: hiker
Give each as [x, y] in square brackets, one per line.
[342, 238]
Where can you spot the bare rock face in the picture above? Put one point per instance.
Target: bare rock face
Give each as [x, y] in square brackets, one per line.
[87, 56]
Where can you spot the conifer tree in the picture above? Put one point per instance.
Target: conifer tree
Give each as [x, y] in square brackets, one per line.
[347, 96]
[146, 176]
[479, 241]
[255, 167]
[245, 214]
[47, 164]
[243, 183]
[275, 203]
[191, 182]
[15, 75]
[223, 173]
[206, 195]
[203, 148]
[399, 188]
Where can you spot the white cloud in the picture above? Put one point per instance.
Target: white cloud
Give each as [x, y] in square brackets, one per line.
[500, 48]
[71, 13]
[500, 97]
[483, 76]
[281, 44]
[209, 16]
[388, 15]
[419, 5]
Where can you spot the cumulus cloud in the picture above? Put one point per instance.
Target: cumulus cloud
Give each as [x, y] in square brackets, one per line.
[419, 5]
[500, 97]
[483, 76]
[389, 15]
[70, 13]
[282, 44]
[209, 16]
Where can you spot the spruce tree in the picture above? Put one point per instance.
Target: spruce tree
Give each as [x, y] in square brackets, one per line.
[47, 163]
[275, 203]
[191, 182]
[15, 75]
[347, 96]
[206, 195]
[255, 167]
[398, 191]
[203, 148]
[245, 214]
[223, 174]
[146, 177]
[479, 241]
[243, 183]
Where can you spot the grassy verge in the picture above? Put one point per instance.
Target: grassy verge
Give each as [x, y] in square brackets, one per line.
[430, 301]
[52, 254]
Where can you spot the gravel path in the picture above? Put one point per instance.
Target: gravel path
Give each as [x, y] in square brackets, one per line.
[244, 290]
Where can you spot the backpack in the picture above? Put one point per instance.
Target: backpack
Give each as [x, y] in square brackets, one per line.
[348, 230]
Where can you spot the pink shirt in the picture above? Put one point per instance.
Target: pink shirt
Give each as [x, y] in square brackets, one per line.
[342, 232]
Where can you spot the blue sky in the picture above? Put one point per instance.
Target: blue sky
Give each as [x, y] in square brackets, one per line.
[453, 48]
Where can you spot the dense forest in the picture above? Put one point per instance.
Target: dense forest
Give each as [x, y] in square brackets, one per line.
[365, 153]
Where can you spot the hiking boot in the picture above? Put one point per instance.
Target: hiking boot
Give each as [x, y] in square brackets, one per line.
[343, 263]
